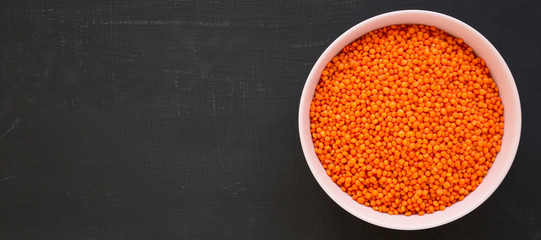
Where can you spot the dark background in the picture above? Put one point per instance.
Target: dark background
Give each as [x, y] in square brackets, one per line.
[178, 119]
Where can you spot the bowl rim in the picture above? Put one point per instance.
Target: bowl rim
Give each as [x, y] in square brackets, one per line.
[307, 96]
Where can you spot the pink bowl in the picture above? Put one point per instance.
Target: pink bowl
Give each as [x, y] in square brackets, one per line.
[508, 93]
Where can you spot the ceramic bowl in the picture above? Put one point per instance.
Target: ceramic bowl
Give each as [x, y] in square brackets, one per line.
[507, 90]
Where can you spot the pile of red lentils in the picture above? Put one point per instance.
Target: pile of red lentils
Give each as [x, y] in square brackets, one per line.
[407, 120]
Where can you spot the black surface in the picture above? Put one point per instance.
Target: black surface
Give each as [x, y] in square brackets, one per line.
[178, 120]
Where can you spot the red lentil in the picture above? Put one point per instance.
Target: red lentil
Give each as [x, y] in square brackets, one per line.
[407, 120]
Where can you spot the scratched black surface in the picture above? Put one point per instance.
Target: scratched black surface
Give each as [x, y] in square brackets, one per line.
[177, 120]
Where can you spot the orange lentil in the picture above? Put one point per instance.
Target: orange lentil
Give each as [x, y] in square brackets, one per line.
[407, 120]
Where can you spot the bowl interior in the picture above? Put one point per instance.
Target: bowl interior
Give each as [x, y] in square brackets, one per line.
[507, 90]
